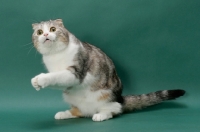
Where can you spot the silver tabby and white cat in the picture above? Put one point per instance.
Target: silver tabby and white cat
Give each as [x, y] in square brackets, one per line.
[86, 75]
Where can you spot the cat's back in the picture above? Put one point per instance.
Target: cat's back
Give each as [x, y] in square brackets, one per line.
[98, 58]
[102, 67]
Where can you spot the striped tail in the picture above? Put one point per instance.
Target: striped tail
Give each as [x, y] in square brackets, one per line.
[135, 102]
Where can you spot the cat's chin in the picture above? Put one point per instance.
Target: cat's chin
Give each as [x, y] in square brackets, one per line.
[51, 47]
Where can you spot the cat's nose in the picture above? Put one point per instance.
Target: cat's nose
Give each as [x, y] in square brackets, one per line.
[46, 34]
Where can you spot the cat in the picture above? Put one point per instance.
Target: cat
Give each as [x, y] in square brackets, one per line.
[86, 75]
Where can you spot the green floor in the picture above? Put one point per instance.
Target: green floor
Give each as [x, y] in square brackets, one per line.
[154, 44]
[27, 113]
[172, 119]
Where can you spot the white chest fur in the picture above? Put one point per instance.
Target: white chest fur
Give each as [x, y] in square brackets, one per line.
[61, 60]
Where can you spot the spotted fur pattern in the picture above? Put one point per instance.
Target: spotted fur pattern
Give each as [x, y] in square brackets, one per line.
[86, 75]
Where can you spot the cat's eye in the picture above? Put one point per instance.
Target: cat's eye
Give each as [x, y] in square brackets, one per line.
[39, 32]
[52, 29]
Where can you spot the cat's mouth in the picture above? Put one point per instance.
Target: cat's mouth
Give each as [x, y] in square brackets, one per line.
[46, 40]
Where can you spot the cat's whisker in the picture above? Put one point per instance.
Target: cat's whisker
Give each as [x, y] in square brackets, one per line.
[36, 53]
[30, 49]
[27, 44]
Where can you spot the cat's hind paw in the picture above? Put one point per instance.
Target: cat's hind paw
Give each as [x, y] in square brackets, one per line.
[101, 117]
[64, 115]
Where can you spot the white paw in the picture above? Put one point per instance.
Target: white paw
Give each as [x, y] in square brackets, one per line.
[101, 117]
[63, 115]
[35, 83]
[40, 81]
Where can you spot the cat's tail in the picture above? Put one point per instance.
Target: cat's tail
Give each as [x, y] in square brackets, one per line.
[135, 102]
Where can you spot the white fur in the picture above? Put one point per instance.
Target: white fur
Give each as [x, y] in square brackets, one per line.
[165, 92]
[64, 115]
[107, 111]
[63, 79]
[57, 62]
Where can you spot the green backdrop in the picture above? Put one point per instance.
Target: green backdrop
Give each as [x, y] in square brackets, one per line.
[154, 44]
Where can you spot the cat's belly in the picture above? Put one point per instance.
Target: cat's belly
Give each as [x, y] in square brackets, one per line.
[88, 102]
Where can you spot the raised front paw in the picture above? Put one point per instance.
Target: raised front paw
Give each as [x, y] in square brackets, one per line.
[40, 81]
[34, 83]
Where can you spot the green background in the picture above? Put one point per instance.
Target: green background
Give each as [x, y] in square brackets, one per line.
[154, 44]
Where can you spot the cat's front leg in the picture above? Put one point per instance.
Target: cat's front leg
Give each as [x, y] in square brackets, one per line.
[61, 79]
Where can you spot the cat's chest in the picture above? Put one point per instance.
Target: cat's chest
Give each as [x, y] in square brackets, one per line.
[61, 60]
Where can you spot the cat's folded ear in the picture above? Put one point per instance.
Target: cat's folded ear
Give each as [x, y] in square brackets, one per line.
[34, 25]
[59, 22]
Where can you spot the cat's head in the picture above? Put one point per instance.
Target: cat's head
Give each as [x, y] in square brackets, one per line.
[50, 36]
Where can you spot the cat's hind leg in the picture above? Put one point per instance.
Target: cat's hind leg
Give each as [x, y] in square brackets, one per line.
[73, 113]
[108, 111]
